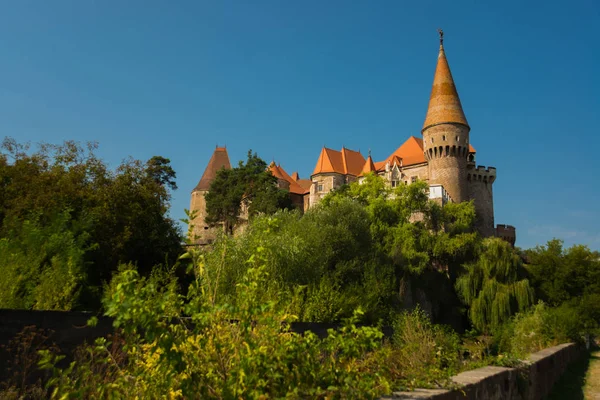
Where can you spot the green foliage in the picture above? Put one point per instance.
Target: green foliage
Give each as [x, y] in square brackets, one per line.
[563, 274]
[543, 326]
[42, 266]
[322, 262]
[67, 221]
[426, 352]
[248, 186]
[493, 287]
[213, 356]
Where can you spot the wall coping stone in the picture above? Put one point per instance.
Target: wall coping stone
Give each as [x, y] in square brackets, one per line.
[501, 383]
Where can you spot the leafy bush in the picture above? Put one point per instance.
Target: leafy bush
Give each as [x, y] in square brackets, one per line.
[426, 353]
[543, 326]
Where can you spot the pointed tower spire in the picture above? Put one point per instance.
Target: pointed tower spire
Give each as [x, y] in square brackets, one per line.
[219, 159]
[444, 103]
[368, 167]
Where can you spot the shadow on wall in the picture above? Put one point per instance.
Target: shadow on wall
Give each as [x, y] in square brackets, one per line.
[570, 385]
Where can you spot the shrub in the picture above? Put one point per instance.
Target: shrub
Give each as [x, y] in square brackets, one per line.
[194, 348]
[424, 353]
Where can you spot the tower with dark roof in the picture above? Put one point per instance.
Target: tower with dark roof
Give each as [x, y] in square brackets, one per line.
[202, 233]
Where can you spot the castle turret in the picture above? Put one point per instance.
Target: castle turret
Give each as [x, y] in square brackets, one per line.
[202, 233]
[446, 133]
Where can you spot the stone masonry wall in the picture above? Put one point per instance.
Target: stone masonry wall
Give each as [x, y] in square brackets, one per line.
[446, 149]
[202, 231]
[533, 381]
[328, 183]
[481, 192]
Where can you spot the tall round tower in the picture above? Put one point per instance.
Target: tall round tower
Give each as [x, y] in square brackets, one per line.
[446, 133]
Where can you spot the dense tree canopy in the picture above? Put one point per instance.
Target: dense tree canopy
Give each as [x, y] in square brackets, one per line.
[67, 221]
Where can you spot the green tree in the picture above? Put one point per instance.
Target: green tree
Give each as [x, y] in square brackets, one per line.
[250, 185]
[494, 287]
[113, 216]
[560, 274]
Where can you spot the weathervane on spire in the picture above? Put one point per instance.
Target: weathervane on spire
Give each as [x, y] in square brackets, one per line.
[441, 32]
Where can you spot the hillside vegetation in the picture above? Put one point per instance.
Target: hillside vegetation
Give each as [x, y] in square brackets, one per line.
[212, 323]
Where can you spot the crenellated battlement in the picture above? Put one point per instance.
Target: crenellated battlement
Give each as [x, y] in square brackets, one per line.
[506, 232]
[481, 174]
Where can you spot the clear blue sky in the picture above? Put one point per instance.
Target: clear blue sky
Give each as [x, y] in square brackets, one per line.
[175, 78]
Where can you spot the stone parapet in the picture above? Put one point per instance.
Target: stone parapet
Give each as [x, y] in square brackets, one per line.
[532, 381]
[481, 173]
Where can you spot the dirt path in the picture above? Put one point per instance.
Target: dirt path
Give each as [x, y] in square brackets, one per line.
[591, 389]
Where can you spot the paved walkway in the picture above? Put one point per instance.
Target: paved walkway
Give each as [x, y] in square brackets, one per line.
[591, 389]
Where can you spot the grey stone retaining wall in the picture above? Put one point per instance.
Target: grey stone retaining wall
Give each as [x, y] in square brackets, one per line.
[533, 381]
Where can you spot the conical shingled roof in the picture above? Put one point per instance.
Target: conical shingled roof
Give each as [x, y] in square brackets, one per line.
[368, 167]
[444, 103]
[219, 159]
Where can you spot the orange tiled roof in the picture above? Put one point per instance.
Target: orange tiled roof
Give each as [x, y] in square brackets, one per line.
[295, 176]
[471, 149]
[219, 159]
[409, 153]
[280, 173]
[380, 165]
[346, 162]
[305, 184]
[368, 167]
[444, 103]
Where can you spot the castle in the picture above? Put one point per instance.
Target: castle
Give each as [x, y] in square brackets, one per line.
[443, 157]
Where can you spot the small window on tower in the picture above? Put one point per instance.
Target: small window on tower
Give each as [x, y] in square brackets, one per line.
[319, 188]
[444, 138]
[431, 140]
[413, 179]
[458, 138]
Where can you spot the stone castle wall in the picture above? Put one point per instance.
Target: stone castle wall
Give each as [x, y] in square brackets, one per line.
[201, 231]
[533, 381]
[480, 190]
[327, 182]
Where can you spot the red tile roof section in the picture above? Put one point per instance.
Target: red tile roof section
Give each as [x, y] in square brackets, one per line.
[380, 166]
[219, 159]
[411, 152]
[280, 173]
[346, 162]
[305, 183]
